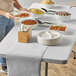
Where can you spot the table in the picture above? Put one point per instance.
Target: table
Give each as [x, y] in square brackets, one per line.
[53, 54]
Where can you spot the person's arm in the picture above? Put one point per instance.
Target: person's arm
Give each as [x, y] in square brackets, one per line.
[18, 6]
[6, 14]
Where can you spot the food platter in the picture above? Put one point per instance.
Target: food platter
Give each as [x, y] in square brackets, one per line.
[47, 16]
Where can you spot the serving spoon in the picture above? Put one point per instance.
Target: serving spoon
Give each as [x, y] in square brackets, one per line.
[48, 10]
[40, 22]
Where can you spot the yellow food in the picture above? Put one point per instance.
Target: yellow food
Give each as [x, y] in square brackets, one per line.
[47, 2]
[36, 11]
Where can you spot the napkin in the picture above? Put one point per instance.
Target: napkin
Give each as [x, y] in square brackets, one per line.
[23, 66]
[25, 60]
[24, 28]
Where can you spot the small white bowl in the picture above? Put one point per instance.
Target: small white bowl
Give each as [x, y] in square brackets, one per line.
[33, 26]
[51, 41]
[63, 18]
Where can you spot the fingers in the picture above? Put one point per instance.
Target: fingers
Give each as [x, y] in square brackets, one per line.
[9, 15]
[24, 9]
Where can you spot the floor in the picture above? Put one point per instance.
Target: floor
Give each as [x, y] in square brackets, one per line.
[59, 69]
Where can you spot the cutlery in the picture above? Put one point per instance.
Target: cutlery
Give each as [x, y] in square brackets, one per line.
[25, 28]
[48, 10]
[40, 22]
[51, 35]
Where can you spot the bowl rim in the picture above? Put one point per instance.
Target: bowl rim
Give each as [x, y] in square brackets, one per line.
[20, 12]
[29, 25]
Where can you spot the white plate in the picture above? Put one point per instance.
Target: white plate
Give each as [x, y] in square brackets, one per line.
[49, 41]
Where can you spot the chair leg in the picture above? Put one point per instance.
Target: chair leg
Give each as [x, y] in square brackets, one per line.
[46, 69]
[74, 53]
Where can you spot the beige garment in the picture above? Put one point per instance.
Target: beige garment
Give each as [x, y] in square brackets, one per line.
[6, 5]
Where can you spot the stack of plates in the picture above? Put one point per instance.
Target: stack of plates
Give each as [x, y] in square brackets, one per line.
[49, 37]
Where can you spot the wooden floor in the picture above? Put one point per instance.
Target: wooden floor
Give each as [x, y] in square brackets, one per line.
[59, 69]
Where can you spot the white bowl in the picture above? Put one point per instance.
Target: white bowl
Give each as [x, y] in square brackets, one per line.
[63, 18]
[20, 12]
[35, 16]
[48, 6]
[51, 41]
[33, 26]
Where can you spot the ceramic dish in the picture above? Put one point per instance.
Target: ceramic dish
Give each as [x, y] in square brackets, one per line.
[33, 25]
[59, 28]
[34, 13]
[15, 13]
[54, 38]
[63, 29]
[62, 16]
[48, 6]
[36, 16]
[48, 3]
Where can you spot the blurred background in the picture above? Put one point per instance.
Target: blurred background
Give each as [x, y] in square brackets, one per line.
[27, 3]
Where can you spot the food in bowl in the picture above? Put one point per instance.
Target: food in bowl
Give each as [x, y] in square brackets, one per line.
[29, 22]
[57, 27]
[63, 13]
[23, 15]
[50, 2]
[36, 11]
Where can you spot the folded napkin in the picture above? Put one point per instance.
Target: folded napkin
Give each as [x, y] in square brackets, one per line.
[25, 59]
[23, 66]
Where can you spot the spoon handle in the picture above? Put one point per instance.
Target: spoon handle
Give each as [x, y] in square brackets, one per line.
[51, 11]
[48, 23]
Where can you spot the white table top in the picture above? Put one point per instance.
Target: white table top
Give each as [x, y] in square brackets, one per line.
[57, 54]
[54, 54]
[60, 54]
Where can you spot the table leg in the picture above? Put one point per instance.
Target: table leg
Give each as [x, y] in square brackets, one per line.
[46, 69]
[74, 53]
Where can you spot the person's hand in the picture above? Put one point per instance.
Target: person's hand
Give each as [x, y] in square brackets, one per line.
[24, 9]
[9, 15]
